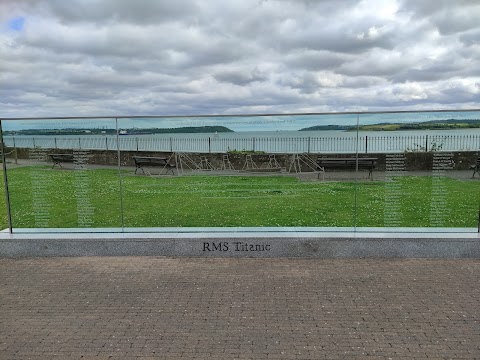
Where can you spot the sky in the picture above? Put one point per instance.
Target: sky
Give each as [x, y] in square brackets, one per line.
[183, 57]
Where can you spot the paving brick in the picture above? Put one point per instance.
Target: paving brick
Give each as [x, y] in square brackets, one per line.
[197, 308]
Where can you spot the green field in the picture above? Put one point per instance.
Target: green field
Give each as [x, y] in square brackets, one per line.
[219, 201]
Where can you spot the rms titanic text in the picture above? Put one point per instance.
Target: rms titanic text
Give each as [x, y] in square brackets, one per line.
[234, 246]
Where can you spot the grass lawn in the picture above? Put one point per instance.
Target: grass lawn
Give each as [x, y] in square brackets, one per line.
[228, 200]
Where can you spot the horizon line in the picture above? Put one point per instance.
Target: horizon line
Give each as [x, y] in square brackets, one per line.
[236, 115]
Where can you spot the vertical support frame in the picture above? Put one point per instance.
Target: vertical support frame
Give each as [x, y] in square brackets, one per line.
[355, 201]
[5, 181]
[120, 180]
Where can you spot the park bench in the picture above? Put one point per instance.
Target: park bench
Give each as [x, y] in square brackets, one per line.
[142, 161]
[58, 159]
[475, 168]
[347, 163]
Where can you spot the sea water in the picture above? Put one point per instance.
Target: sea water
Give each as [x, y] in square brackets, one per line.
[331, 141]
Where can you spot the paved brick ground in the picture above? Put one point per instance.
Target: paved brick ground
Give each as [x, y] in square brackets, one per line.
[184, 308]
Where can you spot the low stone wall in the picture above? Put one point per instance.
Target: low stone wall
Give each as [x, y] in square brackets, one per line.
[414, 161]
[336, 245]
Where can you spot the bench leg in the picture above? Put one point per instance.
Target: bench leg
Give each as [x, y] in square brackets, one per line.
[139, 167]
[323, 175]
[56, 163]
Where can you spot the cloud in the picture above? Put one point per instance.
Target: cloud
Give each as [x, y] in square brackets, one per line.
[92, 57]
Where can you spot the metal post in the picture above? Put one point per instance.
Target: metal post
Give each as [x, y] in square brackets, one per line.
[5, 182]
[478, 224]
[308, 148]
[209, 145]
[80, 143]
[426, 143]
[55, 141]
[355, 200]
[366, 144]
[120, 179]
[136, 139]
[171, 145]
[15, 151]
[33, 141]
[253, 144]
[106, 143]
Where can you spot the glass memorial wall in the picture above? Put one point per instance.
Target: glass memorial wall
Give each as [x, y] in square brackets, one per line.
[426, 162]
[397, 171]
[62, 174]
[246, 171]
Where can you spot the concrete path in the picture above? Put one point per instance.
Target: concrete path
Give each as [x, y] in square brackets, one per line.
[197, 308]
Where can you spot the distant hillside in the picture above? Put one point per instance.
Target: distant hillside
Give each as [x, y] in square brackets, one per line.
[126, 131]
[327, 127]
[425, 125]
[189, 129]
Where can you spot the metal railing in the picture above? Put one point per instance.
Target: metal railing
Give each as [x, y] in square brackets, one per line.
[285, 145]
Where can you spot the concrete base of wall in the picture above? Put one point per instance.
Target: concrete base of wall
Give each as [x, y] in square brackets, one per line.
[244, 244]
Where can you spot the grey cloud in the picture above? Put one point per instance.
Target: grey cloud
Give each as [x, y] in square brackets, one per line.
[450, 66]
[447, 16]
[471, 38]
[190, 57]
[358, 82]
[346, 39]
[378, 63]
[428, 7]
[107, 11]
[306, 83]
[316, 60]
[241, 77]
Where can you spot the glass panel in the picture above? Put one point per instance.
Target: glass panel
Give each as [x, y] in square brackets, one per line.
[233, 172]
[423, 175]
[61, 176]
[415, 170]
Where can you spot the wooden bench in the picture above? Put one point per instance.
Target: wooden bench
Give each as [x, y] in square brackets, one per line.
[61, 158]
[141, 161]
[475, 168]
[347, 163]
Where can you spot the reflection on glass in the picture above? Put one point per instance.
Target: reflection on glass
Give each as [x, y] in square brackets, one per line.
[304, 171]
[60, 176]
[258, 171]
[422, 179]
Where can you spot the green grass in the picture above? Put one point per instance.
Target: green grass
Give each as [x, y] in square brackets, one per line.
[220, 201]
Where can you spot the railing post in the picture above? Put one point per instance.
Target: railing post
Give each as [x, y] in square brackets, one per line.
[136, 140]
[426, 143]
[5, 181]
[15, 150]
[33, 141]
[106, 143]
[209, 145]
[478, 224]
[171, 145]
[308, 148]
[253, 144]
[80, 143]
[366, 144]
